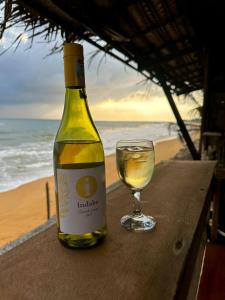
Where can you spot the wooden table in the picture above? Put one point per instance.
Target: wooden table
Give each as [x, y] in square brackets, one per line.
[162, 264]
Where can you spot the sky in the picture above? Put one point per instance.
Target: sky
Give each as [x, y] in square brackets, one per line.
[32, 86]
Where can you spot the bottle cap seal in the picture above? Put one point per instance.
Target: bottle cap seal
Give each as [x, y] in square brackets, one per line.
[73, 49]
[74, 65]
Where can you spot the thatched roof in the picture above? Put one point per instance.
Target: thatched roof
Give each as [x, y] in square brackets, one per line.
[152, 36]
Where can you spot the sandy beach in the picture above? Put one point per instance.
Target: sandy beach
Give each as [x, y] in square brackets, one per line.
[24, 208]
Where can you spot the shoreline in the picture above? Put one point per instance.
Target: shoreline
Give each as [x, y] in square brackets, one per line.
[24, 208]
[107, 155]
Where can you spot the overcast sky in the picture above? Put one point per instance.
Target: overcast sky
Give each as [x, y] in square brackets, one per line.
[33, 86]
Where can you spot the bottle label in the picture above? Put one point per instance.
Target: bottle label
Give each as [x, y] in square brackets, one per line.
[81, 199]
[74, 71]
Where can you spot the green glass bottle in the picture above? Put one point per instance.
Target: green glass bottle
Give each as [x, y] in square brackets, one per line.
[78, 163]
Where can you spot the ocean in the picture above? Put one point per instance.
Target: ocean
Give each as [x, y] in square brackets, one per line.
[26, 145]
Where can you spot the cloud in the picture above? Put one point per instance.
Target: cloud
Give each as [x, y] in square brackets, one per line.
[32, 86]
[137, 106]
[26, 77]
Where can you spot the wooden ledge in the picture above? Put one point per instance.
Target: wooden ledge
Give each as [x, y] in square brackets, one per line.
[153, 265]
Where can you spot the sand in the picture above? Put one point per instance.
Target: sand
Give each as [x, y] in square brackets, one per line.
[24, 208]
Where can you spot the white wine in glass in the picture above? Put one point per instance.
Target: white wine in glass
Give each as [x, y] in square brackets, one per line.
[135, 164]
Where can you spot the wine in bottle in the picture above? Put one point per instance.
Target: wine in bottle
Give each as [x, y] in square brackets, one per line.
[79, 166]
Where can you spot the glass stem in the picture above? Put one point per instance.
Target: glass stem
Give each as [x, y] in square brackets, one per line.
[137, 202]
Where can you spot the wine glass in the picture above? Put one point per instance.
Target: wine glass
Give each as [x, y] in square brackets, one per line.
[135, 165]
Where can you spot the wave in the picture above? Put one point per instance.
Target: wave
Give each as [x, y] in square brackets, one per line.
[10, 183]
[26, 150]
[39, 164]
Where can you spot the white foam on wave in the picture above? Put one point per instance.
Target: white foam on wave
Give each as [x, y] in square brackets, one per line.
[39, 164]
[24, 163]
[12, 184]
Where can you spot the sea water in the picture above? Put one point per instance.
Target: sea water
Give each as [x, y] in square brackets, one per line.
[26, 145]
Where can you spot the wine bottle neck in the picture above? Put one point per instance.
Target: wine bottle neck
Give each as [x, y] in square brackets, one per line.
[76, 115]
[76, 122]
[74, 72]
[75, 102]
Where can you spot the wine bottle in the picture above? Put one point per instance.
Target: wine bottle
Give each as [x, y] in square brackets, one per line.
[79, 166]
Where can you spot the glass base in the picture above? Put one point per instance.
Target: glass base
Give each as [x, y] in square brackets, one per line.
[138, 222]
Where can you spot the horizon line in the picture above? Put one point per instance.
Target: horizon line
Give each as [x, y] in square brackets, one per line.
[136, 121]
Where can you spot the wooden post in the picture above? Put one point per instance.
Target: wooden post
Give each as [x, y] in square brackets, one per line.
[180, 122]
[47, 200]
[205, 105]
